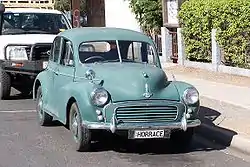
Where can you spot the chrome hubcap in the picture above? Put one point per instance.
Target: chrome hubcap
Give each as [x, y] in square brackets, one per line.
[75, 126]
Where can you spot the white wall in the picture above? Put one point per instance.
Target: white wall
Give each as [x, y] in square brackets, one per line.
[119, 15]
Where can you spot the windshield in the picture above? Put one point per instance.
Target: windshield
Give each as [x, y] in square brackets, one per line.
[107, 51]
[33, 23]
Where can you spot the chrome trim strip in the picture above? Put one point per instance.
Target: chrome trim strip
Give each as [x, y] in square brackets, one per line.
[69, 75]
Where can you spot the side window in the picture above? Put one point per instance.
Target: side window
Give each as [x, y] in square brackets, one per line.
[67, 54]
[56, 49]
[134, 51]
[141, 52]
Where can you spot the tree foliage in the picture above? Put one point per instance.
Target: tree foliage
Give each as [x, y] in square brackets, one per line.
[148, 13]
[231, 18]
[65, 5]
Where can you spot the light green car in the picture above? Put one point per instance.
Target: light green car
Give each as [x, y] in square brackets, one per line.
[110, 79]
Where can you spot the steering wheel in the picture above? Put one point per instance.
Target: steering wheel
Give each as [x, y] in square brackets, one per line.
[94, 57]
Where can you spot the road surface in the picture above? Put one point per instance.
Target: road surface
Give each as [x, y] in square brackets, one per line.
[23, 143]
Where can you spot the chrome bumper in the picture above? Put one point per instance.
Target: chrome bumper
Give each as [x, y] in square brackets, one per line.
[183, 125]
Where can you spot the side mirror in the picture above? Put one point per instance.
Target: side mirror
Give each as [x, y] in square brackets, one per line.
[2, 8]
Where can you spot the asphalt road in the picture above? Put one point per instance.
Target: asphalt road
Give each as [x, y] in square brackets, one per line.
[23, 143]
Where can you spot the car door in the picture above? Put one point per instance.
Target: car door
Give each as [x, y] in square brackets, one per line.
[51, 68]
[64, 76]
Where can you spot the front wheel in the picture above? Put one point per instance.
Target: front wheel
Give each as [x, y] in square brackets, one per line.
[81, 134]
[5, 85]
[43, 117]
[25, 91]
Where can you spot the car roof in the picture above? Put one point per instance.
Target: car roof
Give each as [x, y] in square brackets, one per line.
[31, 10]
[84, 34]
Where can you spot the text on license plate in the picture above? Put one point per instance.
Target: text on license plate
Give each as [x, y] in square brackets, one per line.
[140, 134]
[45, 64]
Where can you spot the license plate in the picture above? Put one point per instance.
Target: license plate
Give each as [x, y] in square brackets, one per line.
[150, 134]
[45, 64]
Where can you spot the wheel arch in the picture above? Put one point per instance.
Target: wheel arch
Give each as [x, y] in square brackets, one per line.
[69, 104]
[37, 83]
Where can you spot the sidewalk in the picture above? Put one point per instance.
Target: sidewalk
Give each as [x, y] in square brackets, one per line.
[223, 87]
[228, 93]
[225, 101]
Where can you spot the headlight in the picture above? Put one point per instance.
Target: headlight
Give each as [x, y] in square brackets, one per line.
[99, 96]
[16, 53]
[191, 96]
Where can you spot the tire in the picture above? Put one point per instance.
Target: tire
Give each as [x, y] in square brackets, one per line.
[81, 134]
[183, 139]
[5, 85]
[43, 117]
[25, 92]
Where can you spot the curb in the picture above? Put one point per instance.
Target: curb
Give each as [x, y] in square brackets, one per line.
[225, 137]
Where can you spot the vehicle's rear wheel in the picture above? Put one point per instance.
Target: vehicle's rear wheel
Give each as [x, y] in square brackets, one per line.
[5, 85]
[81, 134]
[183, 139]
[43, 117]
[25, 91]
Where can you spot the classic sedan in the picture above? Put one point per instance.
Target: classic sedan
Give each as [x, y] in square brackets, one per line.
[111, 79]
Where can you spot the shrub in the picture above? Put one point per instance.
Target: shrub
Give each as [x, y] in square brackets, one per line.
[231, 18]
[148, 13]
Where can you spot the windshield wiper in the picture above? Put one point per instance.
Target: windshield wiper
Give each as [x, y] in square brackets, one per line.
[20, 31]
[13, 32]
[116, 60]
[37, 32]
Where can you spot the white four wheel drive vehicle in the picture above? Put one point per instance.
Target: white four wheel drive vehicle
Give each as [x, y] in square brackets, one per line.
[25, 42]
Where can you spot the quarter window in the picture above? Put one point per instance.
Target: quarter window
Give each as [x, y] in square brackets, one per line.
[56, 49]
[67, 54]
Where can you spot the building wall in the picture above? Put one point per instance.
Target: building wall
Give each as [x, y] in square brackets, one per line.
[119, 15]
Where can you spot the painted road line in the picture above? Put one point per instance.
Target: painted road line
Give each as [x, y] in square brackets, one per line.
[16, 111]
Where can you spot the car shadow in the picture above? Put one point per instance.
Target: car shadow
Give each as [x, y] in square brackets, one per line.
[213, 131]
[19, 96]
[55, 123]
[147, 147]
[208, 115]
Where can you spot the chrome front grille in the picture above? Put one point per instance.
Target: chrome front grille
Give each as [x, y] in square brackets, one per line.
[40, 52]
[146, 114]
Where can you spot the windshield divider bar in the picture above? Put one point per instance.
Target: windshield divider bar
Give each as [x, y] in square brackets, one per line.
[118, 49]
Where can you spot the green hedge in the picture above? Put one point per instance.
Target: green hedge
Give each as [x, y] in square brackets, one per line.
[231, 18]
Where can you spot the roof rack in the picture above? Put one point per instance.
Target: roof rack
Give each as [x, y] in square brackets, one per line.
[41, 4]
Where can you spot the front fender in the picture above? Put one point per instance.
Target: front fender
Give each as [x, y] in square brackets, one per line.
[170, 92]
[41, 79]
[174, 90]
[181, 87]
[80, 91]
